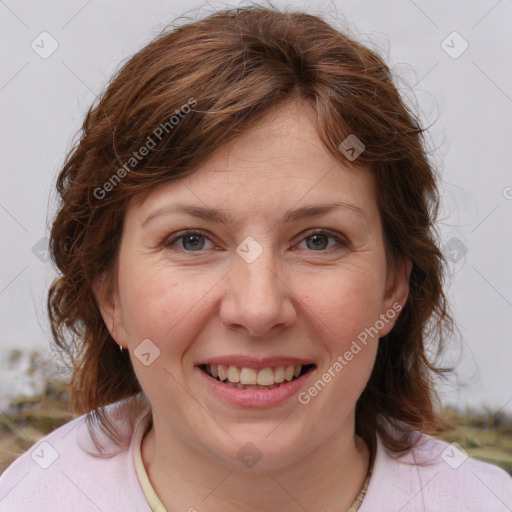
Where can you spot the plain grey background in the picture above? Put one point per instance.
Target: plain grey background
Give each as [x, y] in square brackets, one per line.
[453, 62]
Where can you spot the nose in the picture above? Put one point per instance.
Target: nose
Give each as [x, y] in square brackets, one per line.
[258, 298]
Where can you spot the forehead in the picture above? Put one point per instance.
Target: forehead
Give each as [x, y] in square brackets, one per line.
[277, 163]
[284, 143]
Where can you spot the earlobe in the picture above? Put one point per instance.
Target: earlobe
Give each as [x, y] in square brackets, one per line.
[397, 292]
[107, 304]
[400, 288]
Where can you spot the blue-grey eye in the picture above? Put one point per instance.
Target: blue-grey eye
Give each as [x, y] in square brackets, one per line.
[318, 243]
[194, 242]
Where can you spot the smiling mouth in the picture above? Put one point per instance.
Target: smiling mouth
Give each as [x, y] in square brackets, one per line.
[249, 378]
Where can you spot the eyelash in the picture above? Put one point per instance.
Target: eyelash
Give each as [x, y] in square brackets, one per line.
[330, 234]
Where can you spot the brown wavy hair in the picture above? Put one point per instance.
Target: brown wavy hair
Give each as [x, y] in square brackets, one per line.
[238, 64]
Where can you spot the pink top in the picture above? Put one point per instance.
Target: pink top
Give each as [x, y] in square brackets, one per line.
[57, 475]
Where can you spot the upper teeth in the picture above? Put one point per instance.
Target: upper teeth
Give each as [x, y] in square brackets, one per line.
[248, 376]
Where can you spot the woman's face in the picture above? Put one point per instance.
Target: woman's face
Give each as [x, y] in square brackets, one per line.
[269, 257]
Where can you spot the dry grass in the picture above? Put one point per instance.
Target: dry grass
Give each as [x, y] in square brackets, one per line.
[485, 436]
[20, 430]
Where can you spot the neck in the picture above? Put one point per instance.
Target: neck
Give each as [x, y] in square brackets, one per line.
[328, 479]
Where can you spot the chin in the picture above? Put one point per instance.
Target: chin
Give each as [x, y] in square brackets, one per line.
[257, 448]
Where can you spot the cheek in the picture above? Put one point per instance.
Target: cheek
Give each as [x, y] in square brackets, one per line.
[163, 306]
[170, 313]
[343, 309]
[344, 305]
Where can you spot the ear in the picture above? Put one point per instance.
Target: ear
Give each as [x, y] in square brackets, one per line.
[108, 303]
[396, 293]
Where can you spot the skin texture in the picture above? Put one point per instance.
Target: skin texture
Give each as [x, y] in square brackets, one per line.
[301, 297]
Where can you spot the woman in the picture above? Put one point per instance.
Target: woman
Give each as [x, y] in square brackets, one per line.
[250, 278]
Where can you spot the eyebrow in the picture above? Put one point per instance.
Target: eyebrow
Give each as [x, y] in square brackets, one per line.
[220, 216]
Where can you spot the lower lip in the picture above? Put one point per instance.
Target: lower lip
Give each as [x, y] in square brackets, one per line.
[255, 397]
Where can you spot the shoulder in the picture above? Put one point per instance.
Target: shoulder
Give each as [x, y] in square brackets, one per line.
[436, 475]
[65, 471]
